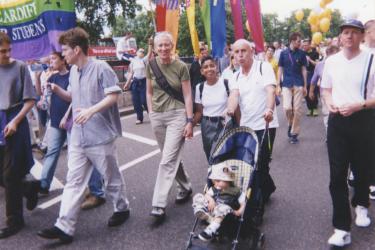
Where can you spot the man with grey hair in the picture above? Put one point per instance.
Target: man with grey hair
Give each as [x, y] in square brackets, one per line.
[253, 90]
[170, 107]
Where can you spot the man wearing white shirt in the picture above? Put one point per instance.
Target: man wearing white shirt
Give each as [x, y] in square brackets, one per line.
[350, 127]
[253, 89]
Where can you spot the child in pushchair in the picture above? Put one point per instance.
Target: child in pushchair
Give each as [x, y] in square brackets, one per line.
[237, 150]
[222, 198]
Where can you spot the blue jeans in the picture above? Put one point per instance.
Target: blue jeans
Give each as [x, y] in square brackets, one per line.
[138, 89]
[96, 184]
[56, 139]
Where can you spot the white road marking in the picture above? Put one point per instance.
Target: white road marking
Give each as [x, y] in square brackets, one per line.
[139, 138]
[128, 165]
[50, 203]
[36, 171]
[138, 160]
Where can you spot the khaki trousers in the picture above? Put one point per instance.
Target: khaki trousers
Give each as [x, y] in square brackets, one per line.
[168, 128]
[292, 104]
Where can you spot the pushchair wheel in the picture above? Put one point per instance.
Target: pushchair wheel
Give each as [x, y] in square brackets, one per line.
[258, 241]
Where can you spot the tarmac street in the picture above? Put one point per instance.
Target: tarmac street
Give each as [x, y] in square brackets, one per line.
[298, 216]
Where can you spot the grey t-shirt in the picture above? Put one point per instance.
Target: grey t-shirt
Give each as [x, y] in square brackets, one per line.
[89, 86]
[15, 85]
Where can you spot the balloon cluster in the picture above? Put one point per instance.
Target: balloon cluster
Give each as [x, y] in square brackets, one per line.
[319, 20]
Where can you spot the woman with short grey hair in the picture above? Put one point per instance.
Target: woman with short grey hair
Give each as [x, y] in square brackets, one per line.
[171, 113]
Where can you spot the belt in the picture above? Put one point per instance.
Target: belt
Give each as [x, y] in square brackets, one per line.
[213, 118]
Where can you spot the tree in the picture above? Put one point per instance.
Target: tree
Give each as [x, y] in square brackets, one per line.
[141, 27]
[94, 15]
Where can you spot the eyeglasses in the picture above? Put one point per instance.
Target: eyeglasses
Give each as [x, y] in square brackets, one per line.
[202, 49]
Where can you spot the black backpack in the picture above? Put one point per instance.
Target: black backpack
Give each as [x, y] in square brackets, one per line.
[201, 85]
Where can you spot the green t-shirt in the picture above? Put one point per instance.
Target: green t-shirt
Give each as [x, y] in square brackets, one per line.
[175, 73]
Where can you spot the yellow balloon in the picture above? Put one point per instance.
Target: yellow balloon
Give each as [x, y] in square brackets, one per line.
[313, 17]
[299, 15]
[317, 37]
[328, 1]
[314, 28]
[324, 24]
[322, 4]
[327, 13]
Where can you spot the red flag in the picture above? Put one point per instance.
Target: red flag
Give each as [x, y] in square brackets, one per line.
[255, 21]
[161, 12]
[237, 18]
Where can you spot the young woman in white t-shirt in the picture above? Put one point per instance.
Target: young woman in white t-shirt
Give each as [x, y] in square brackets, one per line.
[210, 103]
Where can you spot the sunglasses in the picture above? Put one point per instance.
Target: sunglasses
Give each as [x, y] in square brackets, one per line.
[202, 49]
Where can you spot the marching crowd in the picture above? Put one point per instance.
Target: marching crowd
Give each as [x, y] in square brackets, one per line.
[79, 96]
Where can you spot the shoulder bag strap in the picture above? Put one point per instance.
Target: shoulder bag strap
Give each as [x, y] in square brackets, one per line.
[163, 83]
[226, 86]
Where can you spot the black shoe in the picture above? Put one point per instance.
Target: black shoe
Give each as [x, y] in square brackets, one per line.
[205, 236]
[183, 196]
[31, 194]
[55, 233]
[289, 131]
[43, 191]
[118, 218]
[10, 230]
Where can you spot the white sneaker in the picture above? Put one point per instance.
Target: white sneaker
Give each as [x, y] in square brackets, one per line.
[362, 219]
[340, 238]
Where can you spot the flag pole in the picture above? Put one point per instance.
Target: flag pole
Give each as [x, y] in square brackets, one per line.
[153, 16]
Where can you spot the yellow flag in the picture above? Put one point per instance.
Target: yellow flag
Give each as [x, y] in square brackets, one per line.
[190, 10]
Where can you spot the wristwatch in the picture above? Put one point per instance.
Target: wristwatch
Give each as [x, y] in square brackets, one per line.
[189, 120]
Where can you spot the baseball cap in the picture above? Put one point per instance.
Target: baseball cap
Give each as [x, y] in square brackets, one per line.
[352, 23]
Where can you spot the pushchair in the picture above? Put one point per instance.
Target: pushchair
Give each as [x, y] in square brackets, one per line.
[239, 147]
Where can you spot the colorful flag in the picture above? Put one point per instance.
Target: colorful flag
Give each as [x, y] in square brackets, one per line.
[173, 19]
[190, 9]
[168, 17]
[35, 25]
[237, 18]
[255, 21]
[161, 12]
[218, 27]
[206, 18]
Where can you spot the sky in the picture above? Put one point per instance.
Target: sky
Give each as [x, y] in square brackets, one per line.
[348, 8]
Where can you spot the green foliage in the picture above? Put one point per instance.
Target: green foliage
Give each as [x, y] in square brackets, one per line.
[141, 26]
[93, 15]
[274, 30]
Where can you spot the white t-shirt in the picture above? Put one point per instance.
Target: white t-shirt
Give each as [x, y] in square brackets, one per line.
[214, 98]
[138, 66]
[346, 78]
[227, 73]
[253, 95]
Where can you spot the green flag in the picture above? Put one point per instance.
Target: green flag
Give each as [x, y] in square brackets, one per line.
[206, 17]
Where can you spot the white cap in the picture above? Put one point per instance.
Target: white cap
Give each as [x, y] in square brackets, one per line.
[221, 171]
